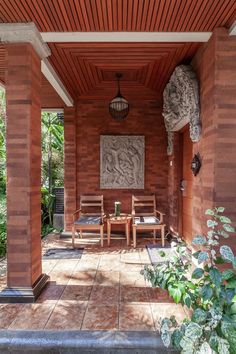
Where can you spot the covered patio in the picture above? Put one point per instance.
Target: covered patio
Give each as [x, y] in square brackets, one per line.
[64, 56]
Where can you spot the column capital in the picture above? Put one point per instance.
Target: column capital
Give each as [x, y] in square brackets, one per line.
[24, 33]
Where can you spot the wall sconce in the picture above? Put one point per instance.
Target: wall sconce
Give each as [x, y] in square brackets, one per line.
[196, 164]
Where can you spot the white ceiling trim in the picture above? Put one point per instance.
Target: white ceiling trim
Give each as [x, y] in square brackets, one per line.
[232, 30]
[56, 82]
[126, 36]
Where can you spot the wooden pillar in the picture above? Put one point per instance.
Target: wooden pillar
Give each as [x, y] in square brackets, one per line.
[69, 166]
[23, 82]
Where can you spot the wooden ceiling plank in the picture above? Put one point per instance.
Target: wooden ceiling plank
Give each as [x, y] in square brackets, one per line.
[134, 15]
[169, 15]
[72, 15]
[94, 12]
[156, 15]
[94, 72]
[85, 74]
[194, 9]
[115, 15]
[143, 21]
[185, 12]
[15, 10]
[79, 16]
[54, 20]
[166, 10]
[99, 10]
[120, 15]
[171, 18]
[198, 15]
[129, 15]
[9, 10]
[179, 14]
[78, 72]
[140, 14]
[110, 15]
[104, 14]
[82, 13]
[65, 15]
[55, 9]
[221, 16]
[204, 13]
[125, 15]
[42, 15]
[150, 12]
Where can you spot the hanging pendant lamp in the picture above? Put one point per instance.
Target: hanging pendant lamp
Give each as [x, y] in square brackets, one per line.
[119, 106]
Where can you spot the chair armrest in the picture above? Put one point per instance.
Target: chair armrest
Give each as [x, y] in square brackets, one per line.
[160, 214]
[75, 213]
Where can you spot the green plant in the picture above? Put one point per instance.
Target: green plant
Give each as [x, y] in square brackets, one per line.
[212, 327]
[3, 232]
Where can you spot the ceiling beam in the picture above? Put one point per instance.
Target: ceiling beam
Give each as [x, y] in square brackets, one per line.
[56, 82]
[126, 36]
[232, 30]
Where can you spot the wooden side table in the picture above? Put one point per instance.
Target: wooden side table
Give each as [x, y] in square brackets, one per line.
[122, 219]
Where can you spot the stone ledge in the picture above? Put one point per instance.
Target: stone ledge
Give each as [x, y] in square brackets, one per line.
[99, 342]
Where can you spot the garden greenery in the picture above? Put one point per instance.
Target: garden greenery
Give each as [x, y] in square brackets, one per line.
[209, 291]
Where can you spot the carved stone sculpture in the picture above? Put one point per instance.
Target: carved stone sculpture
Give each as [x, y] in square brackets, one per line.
[181, 103]
[121, 162]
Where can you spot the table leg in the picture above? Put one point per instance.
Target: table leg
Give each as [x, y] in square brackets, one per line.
[108, 232]
[134, 236]
[127, 231]
[163, 236]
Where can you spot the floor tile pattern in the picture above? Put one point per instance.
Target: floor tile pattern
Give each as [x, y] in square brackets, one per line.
[102, 290]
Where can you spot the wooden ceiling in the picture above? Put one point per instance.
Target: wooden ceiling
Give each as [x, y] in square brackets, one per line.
[88, 69]
[120, 15]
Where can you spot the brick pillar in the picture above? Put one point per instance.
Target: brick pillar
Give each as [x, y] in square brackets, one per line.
[69, 165]
[23, 87]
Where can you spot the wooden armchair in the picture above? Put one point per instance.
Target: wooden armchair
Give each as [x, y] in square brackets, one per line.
[90, 216]
[146, 217]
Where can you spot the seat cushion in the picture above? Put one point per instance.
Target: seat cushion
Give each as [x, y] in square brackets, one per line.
[89, 220]
[146, 220]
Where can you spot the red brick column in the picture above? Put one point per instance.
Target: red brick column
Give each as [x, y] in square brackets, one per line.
[69, 165]
[23, 84]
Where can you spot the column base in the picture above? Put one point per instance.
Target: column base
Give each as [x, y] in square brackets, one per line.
[24, 294]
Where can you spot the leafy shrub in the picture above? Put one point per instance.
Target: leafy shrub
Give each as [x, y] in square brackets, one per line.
[3, 232]
[211, 290]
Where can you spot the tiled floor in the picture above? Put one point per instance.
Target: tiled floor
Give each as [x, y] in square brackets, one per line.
[102, 290]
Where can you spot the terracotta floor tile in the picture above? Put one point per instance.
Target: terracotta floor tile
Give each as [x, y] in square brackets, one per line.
[134, 279]
[8, 313]
[133, 294]
[60, 277]
[101, 318]
[67, 315]
[48, 265]
[77, 292]
[104, 295]
[107, 278]
[52, 293]
[82, 277]
[66, 265]
[162, 310]
[135, 318]
[158, 295]
[32, 316]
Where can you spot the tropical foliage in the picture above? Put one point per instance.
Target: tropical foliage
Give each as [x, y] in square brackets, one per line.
[209, 291]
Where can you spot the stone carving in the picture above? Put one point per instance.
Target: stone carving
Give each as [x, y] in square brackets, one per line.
[181, 103]
[121, 162]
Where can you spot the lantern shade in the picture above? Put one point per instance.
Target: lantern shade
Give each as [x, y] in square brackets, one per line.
[119, 106]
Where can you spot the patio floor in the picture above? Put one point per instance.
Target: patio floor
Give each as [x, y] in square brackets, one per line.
[103, 290]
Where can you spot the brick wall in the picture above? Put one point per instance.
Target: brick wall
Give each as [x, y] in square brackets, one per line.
[215, 65]
[145, 119]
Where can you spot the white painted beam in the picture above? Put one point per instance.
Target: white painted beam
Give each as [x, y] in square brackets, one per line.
[232, 30]
[56, 82]
[70, 37]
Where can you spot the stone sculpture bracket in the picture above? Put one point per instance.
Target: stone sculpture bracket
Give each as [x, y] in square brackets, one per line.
[181, 104]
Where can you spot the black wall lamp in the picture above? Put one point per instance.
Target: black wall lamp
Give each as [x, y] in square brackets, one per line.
[119, 106]
[196, 164]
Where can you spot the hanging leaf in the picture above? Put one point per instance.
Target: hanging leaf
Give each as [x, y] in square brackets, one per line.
[220, 209]
[176, 293]
[224, 219]
[228, 228]
[199, 316]
[206, 292]
[215, 276]
[223, 346]
[211, 223]
[187, 300]
[199, 240]
[227, 253]
[227, 274]
[202, 257]
[193, 331]
[205, 349]
[197, 273]
[209, 212]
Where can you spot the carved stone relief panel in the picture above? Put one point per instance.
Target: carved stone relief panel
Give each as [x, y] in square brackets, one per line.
[181, 103]
[122, 162]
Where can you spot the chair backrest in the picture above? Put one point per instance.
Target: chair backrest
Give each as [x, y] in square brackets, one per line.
[143, 205]
[91, 204]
